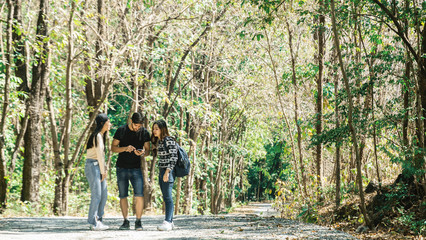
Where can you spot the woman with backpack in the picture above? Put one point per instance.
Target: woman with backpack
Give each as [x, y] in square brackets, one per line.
[166, 150]
[96, 172]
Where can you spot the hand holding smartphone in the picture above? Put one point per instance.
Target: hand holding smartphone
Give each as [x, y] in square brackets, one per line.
[140, 151]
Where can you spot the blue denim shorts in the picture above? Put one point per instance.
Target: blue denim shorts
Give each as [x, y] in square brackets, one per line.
[134, 175]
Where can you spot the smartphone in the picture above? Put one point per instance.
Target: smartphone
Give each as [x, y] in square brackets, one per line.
[140, 150]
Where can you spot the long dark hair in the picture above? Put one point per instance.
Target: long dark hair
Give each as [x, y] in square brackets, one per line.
[100, 119]
[162, 125]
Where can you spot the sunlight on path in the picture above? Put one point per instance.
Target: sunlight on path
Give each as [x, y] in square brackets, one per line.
[260, 209]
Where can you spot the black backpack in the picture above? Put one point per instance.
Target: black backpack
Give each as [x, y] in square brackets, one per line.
[183, 165]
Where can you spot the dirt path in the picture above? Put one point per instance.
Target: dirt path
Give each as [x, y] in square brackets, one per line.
[257, 223]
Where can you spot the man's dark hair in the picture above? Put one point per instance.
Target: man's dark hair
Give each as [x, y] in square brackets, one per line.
[137, 118]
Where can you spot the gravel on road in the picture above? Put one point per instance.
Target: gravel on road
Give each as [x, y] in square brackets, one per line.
[237, 226]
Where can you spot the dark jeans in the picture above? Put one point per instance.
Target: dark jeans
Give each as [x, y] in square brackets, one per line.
[166, 190]
[134, 175]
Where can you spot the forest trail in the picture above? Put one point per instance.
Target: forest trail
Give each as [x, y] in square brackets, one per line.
[255, 221]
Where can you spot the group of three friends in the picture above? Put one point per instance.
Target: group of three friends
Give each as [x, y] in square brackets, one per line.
[131, 142]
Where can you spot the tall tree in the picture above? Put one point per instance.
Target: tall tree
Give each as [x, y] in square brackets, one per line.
[40, 72]
[293, 59]
[338, 142]
[22, 67]
[350, 115]
[3, 120]
[319, 101]
[68, 111]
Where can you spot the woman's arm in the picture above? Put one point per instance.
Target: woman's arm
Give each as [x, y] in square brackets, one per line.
[100, 153]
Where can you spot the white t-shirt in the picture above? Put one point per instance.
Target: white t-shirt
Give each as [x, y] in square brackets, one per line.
[98, 153]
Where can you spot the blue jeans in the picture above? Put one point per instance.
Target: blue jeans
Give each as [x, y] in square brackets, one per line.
[166, 190]
[98, 189]
[134, 175]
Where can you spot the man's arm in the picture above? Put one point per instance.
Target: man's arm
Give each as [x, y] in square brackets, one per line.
[117, 149]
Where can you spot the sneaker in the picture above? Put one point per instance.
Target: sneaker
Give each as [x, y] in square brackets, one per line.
[99, 226]
[138, 225]
[126, 225]
[166, 226]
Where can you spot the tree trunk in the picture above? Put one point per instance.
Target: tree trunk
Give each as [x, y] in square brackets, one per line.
[3, 180]
[193, 133]
[18, 143]
[337, 167]
[89, 75]
[95, 84]
[21, 48]
[318, 125]
[21, 71]
[406, 87]
[57, 202]
[179, 183]
[351, 165]
[189, 180]
[32, 162]
[202, 195]
[296, 110]
[350, 117]
[202, 182]
[217, 186]
[68, 111]
[99, 83]
[178, 193]
[148, 188]
[231, 184]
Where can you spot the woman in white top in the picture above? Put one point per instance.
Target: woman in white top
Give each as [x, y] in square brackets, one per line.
[96, 172]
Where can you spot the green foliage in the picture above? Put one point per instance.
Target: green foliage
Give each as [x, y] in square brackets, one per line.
[407, 219]
[264, 173]
[308, 213]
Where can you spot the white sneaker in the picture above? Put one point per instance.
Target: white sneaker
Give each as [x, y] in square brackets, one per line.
[99, 226]
[166, 226]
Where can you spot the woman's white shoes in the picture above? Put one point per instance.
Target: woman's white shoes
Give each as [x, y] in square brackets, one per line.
[99, 226]
[166, 226]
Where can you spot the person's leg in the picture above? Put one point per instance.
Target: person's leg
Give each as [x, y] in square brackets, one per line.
[93, 177]
[124, 205]
[104, 197]
[123, 188]
[137, 182]
[139, 207]
[166, 190]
